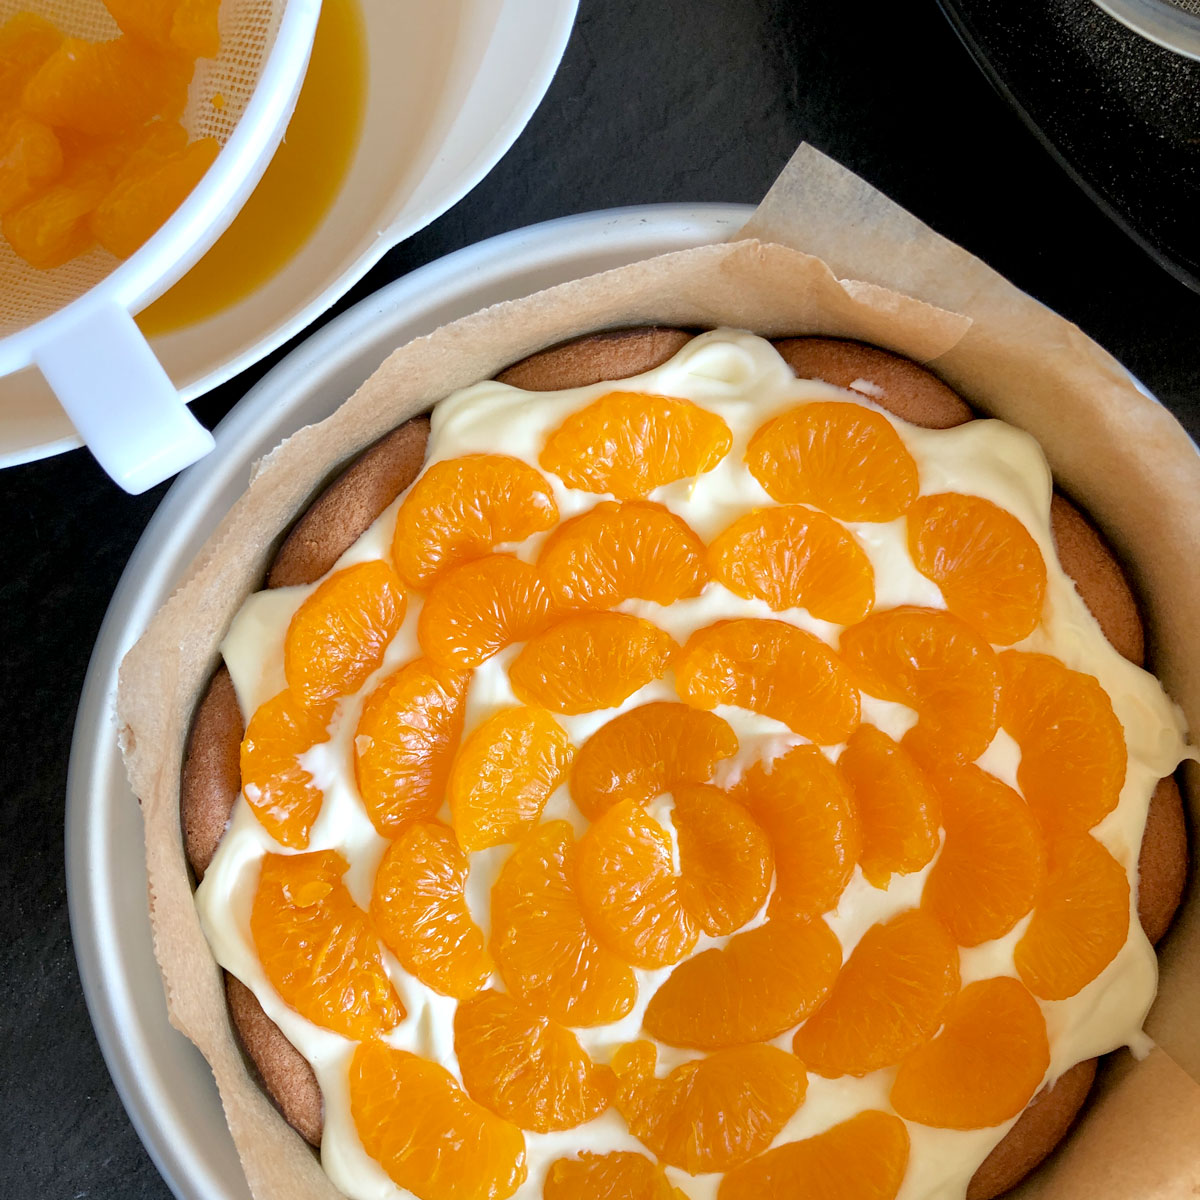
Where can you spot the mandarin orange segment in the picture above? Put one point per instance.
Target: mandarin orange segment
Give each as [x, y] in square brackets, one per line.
[195, 28]
[711, 1114]
[505, 772]
[993, 860]
[647, 751]
[897, 807]
[774, 669]
[807, 810]
[405, 743]
[618, 1175]
[762, 982]
[935, 663]
[107, 88]
[480, 607]
[26, 41]
[724, 858]
[318, 948]
[419, 907]
[590, 661]
[793, 557]
[617, 551]
[990, 570]
[142, 199]
[985, 1064]
[31, 159]
[1073, 754]
[864, 1158]
[843, 458]
[629, 891]
[888, 1000]
[148, 19]
[545, 952]
[281, 792]
[1080, 919]
[337, 637]
[428, 1134]
[53, 228]
[651, 910]
[463, 508]
[627, 444]
[525, 1067]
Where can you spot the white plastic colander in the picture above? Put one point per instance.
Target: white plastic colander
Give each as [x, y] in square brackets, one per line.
[74, 322]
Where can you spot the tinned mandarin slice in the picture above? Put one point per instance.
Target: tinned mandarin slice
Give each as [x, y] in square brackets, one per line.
[525, 1067]
[318, 948]
[430, 1137]
[338, 636]
[419, 907]
[463, 508]
[626, 444]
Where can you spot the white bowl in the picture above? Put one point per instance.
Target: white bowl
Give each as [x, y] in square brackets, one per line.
[167, 1087]
[450, 87]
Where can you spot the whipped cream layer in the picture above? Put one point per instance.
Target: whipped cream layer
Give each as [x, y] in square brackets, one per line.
[742, 379]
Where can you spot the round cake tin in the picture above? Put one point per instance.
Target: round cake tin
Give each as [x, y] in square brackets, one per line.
[165, 1084]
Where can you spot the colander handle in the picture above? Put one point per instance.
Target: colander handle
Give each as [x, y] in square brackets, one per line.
[120, 400]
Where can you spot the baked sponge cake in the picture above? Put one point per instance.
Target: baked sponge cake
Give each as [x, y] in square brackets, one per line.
[733, 814]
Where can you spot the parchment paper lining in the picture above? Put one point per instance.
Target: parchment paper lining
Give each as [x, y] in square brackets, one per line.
[824, 253]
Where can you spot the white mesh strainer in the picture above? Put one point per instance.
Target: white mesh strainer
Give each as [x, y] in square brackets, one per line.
[74, 322]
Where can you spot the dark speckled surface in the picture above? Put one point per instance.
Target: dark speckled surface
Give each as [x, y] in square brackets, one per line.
[671, 101]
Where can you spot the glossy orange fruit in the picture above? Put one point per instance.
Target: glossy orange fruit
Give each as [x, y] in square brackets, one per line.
[505, 772]
[864, 1158]
[1080, 919]
[935, 663]
[337, 637]
[525, 1067]
[318, 948]
[993, 860]
[26, 41]
[148, 19]
[897, 807]
[985, 1064]
[843, 458]
[107, 88]
[762, 982]
[1073, 754]
[628, 443]
[774, 669]
[419, 907]
[590, 661]
[142, 198]
[279, 790]
[647, 751]
[546, 954]
[617, 551]
[463, 508]
[889, 998]
[794, 557]
[724, 858]
[52, 228]
[711, 1114]
[479, 607]
[428, 1134]
[31, 158]
[645, 909]
[803, 803]
[618, 1175]
[405, 743]
[990, 570]
[195, 28]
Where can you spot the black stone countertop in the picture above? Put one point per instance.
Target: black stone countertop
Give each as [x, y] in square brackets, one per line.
[664, 101]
